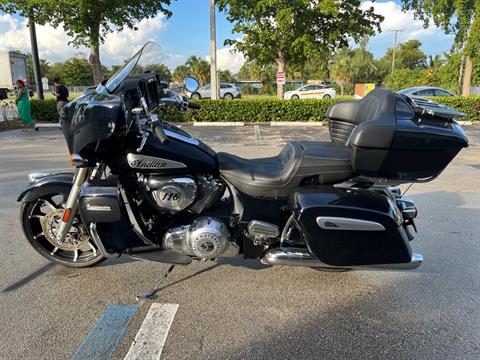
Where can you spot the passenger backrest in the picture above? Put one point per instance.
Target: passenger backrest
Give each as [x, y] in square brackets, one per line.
[344, 116]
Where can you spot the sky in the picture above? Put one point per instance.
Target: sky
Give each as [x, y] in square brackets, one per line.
[187, 33]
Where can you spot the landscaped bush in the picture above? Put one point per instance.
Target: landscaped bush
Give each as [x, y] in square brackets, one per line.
[470, 105]
[251, 110]
[45, 110]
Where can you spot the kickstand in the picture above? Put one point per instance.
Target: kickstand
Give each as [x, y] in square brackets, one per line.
[167, 269]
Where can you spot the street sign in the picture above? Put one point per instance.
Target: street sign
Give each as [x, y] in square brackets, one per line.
[280, 77]
[45, 83]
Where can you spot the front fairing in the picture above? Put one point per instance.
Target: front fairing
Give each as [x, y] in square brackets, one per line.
[90, 118]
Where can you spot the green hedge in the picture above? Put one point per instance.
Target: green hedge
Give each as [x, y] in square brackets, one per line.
[253, 110]
[44, 110]
[470, 105]
[260, 110]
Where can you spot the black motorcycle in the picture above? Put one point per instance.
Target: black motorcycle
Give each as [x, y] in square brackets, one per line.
[146, 188]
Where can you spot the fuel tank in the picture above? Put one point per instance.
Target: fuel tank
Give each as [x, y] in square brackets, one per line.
[183, 154]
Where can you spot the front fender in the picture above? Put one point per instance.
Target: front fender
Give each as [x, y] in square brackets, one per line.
[45, 185]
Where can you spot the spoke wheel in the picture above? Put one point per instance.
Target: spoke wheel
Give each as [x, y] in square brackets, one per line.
[40, 220]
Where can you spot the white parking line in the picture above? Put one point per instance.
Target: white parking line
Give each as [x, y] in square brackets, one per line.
[153, 332]
[258, 135]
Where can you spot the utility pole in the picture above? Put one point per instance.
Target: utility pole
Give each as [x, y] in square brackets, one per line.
[213, 54]
[395, 32]
[35, 59]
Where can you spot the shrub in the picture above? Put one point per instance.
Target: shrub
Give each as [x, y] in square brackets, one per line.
[254, 110]
[260, 109]
[45, 110]
[470, 105]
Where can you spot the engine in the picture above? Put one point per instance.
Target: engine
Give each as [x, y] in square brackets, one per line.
[174, 194]
[206, 238]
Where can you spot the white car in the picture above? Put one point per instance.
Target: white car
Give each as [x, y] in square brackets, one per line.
[228, 91]
[317, 91]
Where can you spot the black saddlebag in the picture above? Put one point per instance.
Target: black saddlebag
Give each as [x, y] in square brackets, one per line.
[346, 227]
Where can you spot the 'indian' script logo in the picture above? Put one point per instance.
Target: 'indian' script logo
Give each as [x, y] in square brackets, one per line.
[138, 161]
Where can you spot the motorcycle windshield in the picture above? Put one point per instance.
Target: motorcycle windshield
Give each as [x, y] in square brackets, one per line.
[148, 59]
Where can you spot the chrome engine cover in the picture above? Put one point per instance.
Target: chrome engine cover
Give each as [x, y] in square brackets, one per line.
[206, 238]
[173, 194]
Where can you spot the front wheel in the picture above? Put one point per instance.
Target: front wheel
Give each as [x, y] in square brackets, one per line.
[326, 96]
[195, 96]
[40, 220]
[295, 97]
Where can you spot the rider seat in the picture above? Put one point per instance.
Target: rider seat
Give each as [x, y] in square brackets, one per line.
[277, 176]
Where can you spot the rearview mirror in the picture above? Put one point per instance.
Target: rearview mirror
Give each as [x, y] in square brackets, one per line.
[191, 84]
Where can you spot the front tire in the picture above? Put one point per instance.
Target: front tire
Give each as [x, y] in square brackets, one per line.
[195, 96]
[326, 96]
[295, 97]
[77, 251]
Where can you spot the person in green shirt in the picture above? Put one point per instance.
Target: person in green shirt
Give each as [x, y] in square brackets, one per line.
[23, 104]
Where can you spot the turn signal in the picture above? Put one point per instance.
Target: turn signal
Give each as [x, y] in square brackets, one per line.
[76, 160]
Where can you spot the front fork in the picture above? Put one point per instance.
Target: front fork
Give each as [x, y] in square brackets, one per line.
[71, 206]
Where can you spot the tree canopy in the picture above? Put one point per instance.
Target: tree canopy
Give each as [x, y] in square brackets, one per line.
[283, 31]
[408, 55]
[461, 18]
[88, 21]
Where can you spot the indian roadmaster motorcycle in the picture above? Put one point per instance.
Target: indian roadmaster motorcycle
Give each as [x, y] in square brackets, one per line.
[146, 188]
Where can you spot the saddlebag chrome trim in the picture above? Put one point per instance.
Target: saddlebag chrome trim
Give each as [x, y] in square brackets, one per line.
[302, 257]
[341, 223]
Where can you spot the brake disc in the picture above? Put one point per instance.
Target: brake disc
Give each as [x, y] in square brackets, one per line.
[76, 238]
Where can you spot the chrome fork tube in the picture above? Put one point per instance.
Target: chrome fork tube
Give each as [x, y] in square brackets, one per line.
[71, 206]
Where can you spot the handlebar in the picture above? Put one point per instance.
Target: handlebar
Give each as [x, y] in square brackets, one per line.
[160, 133]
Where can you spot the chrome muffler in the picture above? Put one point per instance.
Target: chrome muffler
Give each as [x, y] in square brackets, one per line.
[302, 257]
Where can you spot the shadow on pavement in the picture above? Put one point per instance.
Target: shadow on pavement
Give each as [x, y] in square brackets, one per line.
[22, 282]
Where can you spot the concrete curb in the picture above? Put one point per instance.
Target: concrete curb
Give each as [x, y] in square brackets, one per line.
[296, 123]
[463, 123]
[219, 123]
[48, 125]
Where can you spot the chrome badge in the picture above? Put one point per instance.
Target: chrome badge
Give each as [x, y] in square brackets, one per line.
[137, 161]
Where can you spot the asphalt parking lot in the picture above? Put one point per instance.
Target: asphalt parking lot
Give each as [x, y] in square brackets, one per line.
[238, 309]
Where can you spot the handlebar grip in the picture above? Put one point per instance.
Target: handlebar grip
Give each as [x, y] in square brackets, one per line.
[194, 106]
[160, 134]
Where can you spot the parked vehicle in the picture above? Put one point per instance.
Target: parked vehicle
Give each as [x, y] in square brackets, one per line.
[227, 91]
[425, 91]
[145, 188]
[13, 66]
[315, 91]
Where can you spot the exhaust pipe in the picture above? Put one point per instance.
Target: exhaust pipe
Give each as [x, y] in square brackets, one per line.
[302, 257]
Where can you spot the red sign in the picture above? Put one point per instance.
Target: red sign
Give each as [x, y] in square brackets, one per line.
[280, 77]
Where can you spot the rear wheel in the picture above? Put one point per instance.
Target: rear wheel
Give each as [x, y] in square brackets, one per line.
[326, 96]
[228, 96]
[40, 219]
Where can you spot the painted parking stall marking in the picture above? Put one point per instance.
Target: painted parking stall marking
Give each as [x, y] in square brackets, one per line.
[107, 333]
[153, 332]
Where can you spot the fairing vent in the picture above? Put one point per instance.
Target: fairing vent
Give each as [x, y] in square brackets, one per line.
[340, 131]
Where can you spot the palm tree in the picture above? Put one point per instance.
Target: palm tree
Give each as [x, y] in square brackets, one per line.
[341, 70]
[199, 68]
